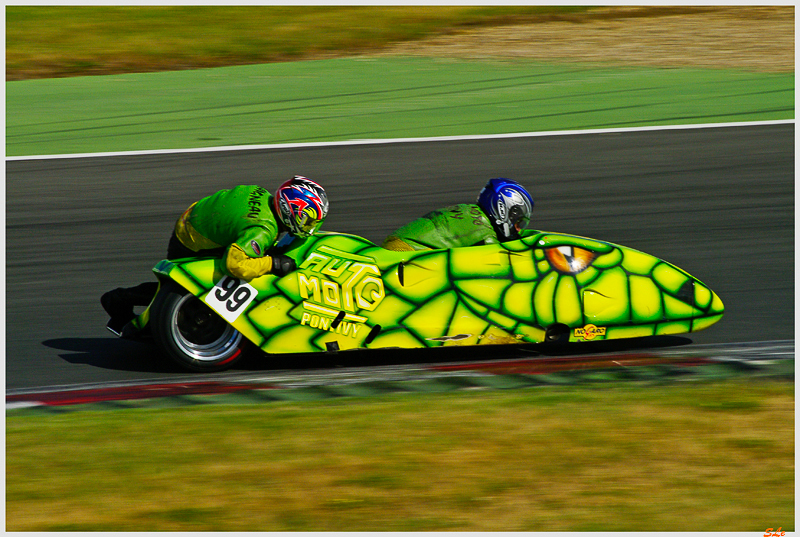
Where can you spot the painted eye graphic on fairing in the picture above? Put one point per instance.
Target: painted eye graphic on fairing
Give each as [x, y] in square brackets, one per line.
[569, 259]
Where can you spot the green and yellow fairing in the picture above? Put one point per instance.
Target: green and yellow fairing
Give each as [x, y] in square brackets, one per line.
[349, 293]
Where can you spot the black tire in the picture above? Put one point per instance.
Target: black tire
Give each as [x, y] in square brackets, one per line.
[191, 333]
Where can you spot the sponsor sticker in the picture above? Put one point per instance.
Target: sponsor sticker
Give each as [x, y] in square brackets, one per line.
[590, 331]
[335, 287]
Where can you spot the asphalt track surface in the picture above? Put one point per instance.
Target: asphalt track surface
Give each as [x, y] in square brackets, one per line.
[717, 202]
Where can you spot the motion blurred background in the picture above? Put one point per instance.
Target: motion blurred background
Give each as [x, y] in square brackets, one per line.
[53, 41]
[716, 455]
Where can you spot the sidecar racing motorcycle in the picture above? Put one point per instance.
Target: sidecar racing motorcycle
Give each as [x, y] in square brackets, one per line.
[347, 293]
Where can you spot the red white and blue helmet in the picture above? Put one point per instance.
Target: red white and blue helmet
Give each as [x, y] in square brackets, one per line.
[302, 205]
[508, 206]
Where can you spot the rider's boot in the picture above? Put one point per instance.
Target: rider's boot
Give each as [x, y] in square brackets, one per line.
[119, 303]
[142, 294]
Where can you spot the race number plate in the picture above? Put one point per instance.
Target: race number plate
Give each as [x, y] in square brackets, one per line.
[230, 297]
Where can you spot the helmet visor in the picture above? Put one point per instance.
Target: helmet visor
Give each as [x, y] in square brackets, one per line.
[307, 224]
[518, 219]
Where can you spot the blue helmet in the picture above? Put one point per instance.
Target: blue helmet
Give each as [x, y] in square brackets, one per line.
[508, 206]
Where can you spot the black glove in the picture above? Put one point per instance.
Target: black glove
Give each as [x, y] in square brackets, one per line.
[282, 265]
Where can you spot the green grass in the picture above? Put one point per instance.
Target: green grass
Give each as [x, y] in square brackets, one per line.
[351, 99]
[58, 41]
[617, 457]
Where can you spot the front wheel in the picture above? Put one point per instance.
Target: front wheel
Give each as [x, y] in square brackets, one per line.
[191, 333]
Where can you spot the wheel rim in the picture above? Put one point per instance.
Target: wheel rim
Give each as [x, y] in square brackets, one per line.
[200, 333]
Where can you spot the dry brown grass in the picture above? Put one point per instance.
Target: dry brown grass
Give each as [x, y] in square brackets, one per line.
[758, 38]
[717, 457]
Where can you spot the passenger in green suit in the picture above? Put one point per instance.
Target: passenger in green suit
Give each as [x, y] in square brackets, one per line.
[239, 225]
[503, 209]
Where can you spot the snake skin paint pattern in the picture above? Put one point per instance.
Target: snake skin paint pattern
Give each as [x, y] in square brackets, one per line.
[349, 293]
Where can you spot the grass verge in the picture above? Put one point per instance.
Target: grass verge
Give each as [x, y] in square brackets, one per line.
[350, 99]
[615, 457]
[60, 41]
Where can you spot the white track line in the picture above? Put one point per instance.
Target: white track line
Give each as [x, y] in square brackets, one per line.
[402, 140]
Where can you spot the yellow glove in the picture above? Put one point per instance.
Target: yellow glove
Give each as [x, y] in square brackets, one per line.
[241, 265]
